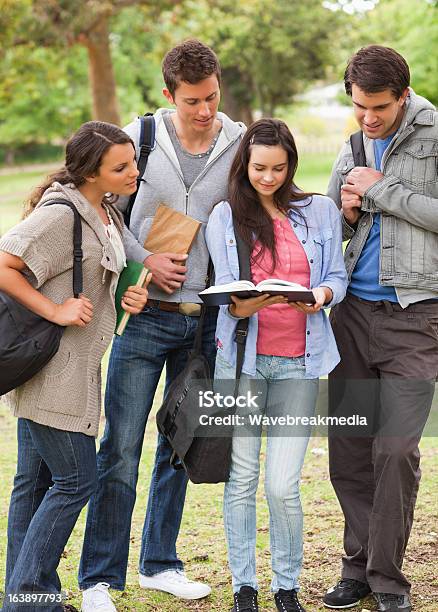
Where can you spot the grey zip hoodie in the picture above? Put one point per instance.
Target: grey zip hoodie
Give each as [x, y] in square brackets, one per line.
[163, 183]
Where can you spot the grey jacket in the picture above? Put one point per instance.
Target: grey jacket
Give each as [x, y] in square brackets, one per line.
[407, 198]
[163, 183]
[66, 393]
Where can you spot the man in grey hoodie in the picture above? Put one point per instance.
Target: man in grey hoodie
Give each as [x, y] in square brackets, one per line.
[387, 326]
[188, 171]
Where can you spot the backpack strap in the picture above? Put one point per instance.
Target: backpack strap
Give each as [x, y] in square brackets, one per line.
[358, 149]
[242, 324]
[197, 344]
[145, 145]
[77, 246]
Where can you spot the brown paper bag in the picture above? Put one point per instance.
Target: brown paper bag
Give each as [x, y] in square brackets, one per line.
[171, 231]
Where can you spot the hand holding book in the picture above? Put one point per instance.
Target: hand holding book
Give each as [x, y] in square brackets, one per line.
[243, 308]
[168, 270]
[134, 299]
[131, 293]
[170, 239]
[243, 289]
[246, 307]
[323, 295]
[246, 298]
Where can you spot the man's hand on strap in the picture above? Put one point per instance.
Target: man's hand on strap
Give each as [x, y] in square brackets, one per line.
[358, 181]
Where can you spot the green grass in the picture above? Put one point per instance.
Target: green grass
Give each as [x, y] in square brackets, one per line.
[312, 175]
[201, 544]
[14, 191]
[314, 171]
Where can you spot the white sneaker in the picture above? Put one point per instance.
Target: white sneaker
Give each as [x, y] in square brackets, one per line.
[97, 598]
[176, 583]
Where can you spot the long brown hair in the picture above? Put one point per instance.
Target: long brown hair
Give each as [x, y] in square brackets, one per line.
[251, 220]
[83, 157]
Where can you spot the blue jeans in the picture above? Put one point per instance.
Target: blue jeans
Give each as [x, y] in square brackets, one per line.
[282, 390]
[152, 339]
[56, 475]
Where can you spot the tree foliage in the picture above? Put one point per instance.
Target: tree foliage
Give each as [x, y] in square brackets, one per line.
[41, 98]
[269, 51]
[42, 40]
[63, 62]
[43, 91]
[411, 28]
[136, 49]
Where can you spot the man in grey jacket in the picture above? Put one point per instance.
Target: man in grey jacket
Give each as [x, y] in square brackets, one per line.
[188, 171]
[387, 326]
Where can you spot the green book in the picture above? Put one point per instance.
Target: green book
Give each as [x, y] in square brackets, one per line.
[134, 274]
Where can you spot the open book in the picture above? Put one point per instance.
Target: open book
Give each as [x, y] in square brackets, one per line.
[221, 294]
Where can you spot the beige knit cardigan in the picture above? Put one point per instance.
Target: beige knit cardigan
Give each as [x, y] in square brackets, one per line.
[66, 393]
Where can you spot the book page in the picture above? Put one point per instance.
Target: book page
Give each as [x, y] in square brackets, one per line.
[241, 285]
[278, 283]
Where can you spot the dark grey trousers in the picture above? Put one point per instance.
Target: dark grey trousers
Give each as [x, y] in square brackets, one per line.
[389, 363]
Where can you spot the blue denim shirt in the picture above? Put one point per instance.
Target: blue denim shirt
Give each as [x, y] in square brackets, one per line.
[322, 243]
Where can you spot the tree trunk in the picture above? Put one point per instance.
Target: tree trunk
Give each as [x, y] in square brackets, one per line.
[237, 109]
[102, 81]
[10, 157]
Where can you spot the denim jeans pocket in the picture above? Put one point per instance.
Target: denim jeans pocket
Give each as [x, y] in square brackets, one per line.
[289, 367]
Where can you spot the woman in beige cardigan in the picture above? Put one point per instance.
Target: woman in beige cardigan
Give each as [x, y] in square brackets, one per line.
[58, 409]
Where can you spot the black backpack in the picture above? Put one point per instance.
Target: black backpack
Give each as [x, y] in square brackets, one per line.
[28, 340]
[206, 458]
[145, 144]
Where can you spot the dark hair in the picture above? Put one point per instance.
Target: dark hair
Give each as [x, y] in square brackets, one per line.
[190, 61]
[251, 219]
[375, 68]
[83, 157]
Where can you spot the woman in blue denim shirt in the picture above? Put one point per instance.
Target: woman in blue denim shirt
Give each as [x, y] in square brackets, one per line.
[294, 236]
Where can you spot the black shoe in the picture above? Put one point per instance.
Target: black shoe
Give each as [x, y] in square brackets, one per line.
[69, 608]
[389, 602]
[245, 600]
[346, 594]
[287, 601]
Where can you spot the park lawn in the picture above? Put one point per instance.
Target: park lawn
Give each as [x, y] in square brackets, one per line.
[201, 544]
[314, 171]
[15, 188]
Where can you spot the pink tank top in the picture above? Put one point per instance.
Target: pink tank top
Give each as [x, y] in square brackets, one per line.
[282, 330]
